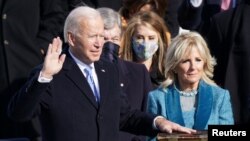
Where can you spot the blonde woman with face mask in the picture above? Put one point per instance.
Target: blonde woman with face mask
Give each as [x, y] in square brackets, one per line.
[145, 41]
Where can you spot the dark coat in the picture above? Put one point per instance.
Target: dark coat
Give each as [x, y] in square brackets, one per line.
[171, 17]
[26, 28]
[69, 112]
[229, 40]
[198, 18]
[135, 83]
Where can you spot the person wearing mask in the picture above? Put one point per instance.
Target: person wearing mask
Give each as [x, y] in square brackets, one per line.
[145, 41]
[134, 78]
[189, 96]
[76, 95]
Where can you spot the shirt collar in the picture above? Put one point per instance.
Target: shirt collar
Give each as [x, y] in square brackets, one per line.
[81, 64]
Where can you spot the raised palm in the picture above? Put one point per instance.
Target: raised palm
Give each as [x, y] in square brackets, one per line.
[53, 60]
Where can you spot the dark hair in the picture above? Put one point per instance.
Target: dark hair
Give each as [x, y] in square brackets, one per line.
[130, 7]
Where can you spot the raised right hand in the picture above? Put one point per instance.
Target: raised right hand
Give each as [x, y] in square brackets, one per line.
[53, 61]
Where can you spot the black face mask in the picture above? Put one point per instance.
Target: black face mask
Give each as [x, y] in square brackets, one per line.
[110, 52]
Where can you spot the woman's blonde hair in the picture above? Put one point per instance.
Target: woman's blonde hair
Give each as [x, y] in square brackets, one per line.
[178, 48]
[152, 21]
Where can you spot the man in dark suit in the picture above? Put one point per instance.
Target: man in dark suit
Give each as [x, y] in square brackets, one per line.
[26, 29]
[135, 83]
[69, 108]
[229, 40]
[134, 78]
[196, 14]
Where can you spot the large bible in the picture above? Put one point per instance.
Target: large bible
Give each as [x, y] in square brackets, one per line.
[198, 136]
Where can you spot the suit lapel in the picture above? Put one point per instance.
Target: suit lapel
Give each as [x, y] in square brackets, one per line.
[203, 111]
[173, 107]
[204, 106]
[76, 76]
[102, 76]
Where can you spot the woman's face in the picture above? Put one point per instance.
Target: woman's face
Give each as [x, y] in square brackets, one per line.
[144, 43]
[144, 33]
[190, 69]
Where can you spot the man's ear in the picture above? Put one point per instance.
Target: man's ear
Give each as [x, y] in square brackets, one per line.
[71, 39]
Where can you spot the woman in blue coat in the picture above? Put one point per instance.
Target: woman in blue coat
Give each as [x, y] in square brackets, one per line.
[189, 96]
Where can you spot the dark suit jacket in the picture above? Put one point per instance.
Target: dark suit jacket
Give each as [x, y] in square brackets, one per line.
[69, 112]
[26, 27]
[229, 41]
[135, 83]
[198, 18]
[171, 16]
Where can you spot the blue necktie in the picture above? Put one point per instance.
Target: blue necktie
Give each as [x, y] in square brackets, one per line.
[91, 82]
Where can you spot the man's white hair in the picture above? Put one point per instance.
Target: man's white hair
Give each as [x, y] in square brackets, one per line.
[75, 17]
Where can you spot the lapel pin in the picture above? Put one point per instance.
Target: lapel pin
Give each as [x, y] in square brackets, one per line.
[103, 70]
[122, 84]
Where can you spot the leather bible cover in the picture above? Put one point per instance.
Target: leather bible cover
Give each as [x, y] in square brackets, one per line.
[199, 136]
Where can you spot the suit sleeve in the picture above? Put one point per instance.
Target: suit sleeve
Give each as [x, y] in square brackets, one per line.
[189, 16]
[226, 114]
[52, 16]
[151, 104]
[152, 109]
[25, 104]
[214, 37]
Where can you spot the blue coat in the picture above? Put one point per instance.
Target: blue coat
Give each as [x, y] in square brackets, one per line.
[213, 107]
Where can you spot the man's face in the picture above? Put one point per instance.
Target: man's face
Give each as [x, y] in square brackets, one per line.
[113, 35]
[88, 43]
